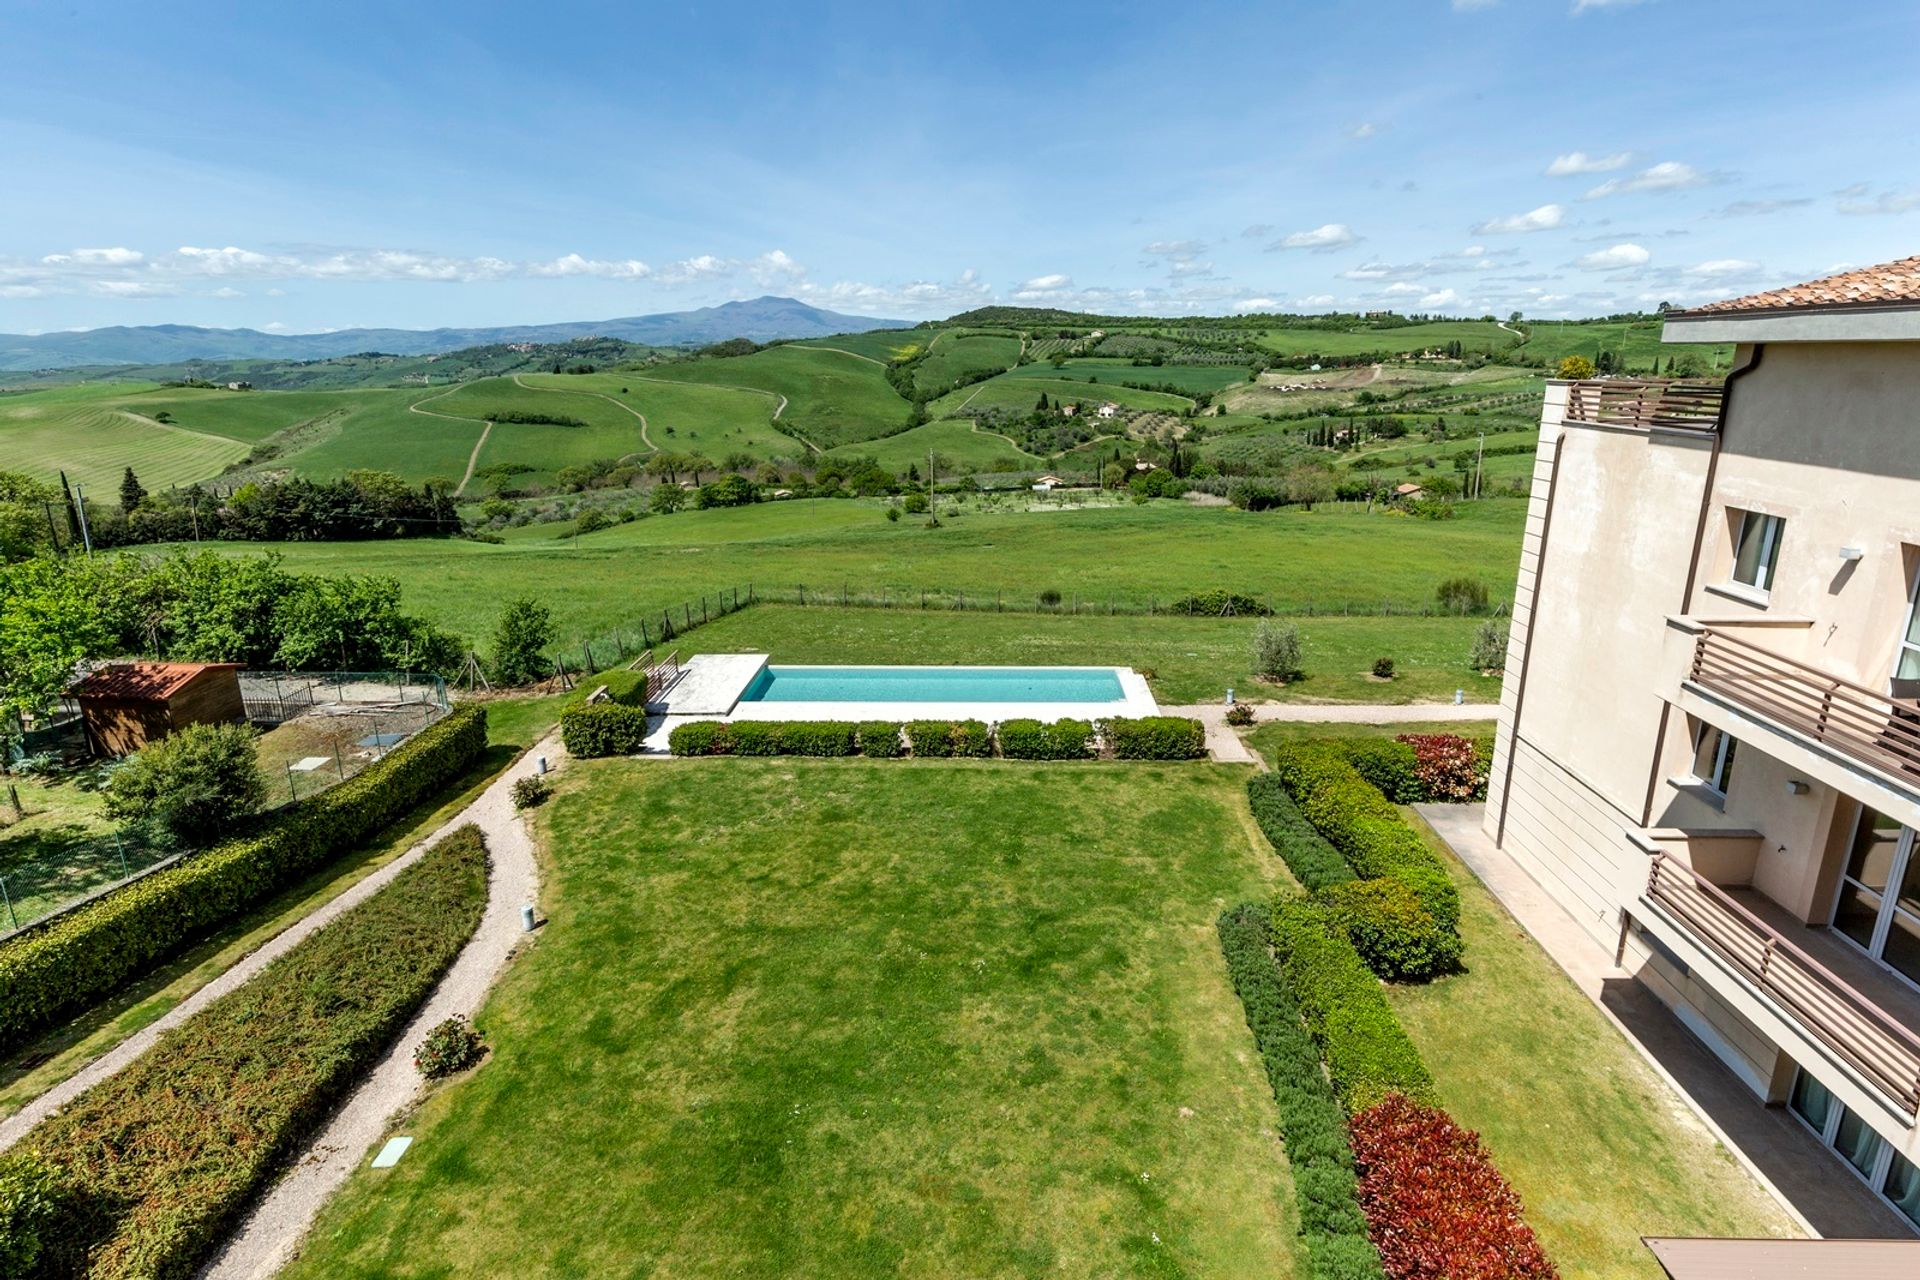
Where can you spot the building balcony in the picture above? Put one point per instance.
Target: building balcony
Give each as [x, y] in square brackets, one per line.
[1646, 406]
[1805, 989]
[1860, 742]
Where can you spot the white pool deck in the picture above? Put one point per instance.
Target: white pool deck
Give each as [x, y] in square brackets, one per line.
[712, 684]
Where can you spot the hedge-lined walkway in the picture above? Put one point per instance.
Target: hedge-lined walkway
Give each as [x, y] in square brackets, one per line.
[275, 1227]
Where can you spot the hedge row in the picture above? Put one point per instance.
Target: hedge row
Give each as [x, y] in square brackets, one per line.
[598, 731]
[78, 958]
[1312, 1124]
[1390, 926]
[151, 1166]
[1359, 821]
[1435, 1203]
[1417, 768]
[1367, 1053]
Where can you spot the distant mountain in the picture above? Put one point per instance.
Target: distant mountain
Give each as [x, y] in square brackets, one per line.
[762, 319]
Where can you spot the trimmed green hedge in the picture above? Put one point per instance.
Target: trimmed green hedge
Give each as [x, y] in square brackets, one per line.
[1314, 863]
[1155, 738]
[1396, 935]
[1312, 1123]
[1364, 826]
[1033, 740]
[764, 738]
[603, 729]
[1367, 1053]
[1392, 765]
[76, 959]
[945, 739]
[880, 739]
[701, 738]
[156, 1162]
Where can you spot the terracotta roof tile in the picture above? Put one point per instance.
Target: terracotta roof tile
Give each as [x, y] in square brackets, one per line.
[1888, 283]
[145, 681]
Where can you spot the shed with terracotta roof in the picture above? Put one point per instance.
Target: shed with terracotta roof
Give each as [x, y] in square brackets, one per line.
[125, 706]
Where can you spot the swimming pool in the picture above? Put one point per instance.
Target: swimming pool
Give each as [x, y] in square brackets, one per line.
[995, 685]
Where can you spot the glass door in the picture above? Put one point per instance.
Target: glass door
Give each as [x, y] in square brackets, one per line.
[1906, 666]
[1878, 907]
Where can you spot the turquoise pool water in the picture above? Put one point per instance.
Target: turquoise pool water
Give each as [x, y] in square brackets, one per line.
[935, 684]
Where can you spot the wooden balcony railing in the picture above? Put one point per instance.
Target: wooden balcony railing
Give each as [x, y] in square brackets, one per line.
[661, 675]
[1824, 1004]
[1870, 728]
[1624, 402]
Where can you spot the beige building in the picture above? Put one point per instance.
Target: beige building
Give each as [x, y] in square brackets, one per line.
[1709, 742]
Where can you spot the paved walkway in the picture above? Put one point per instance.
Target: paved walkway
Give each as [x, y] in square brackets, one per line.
[273, 1230]
[1786, 1159]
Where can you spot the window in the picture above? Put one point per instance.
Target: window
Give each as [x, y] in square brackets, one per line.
[1756, 549]
[1878, 906]
[1908, 665]
[1889, 1173]
[1713, 758]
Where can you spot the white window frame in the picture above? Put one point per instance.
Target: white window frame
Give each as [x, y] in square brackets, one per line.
[1908, 645]
[1876, 1178]
[1771, 529]
[1904, 853]
[1715, 779]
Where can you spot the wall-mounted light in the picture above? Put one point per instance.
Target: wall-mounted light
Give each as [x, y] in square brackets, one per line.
[1851, 554]
[1795, 787]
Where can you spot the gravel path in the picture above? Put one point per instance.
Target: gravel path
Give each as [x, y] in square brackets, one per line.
[268, 1237]
[1347, 712]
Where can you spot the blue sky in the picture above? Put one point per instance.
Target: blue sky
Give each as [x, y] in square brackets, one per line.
[322, 167]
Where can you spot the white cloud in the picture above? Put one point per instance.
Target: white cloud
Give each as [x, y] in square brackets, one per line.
[21, 291]
[1246, 305]
[131, 289]
[1545, 218]
[1439, 298]
[1189, 269]
[115, 257]
[572, 264]
[1316, 300]
[1620, 255]
[1724, 267]
[1404, 288]
[1473, 251]
[1322, 239]
[1047, 284]
[1365, 129]
[226, 291]
[1668, 175]
[1176, 248]
[1580, 162]
[1886, 203]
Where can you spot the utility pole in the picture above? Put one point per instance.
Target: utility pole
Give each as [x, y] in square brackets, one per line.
[193, 508]
[53, 530]
[80, 505]
[933, 515]
[1479, 455]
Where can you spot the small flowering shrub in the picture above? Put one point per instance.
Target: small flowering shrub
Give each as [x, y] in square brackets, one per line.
[451, 1046]
[1383, 668]
[1240, 715]
[1447, 766]
[1436, 1207]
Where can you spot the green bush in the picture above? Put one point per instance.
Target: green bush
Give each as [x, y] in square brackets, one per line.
[1364, 826]
[196, 784]
[1312, 1124]
[701, 738]
[1156, 738]
[32, 1201]
[816, 737]
[73, 960]
[450, 1046]
[531, 792]
[948, 738]
[1276, 651]
[880, 739]
[1387, 763]
[627, 688]
[1367, 1053]
[1462, 595]
[1219, 603]
[1032, 740]
[1392, 931]
[1314, 863]
[757, 738]
[160, 1158]
[603, 729]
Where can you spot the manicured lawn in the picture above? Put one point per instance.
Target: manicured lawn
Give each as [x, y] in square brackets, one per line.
[1189, 659]
[857, 1018]
[1295, 560]
[62, 846]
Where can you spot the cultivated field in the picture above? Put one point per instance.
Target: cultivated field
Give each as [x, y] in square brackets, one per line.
[956, 355]
[853, 1019]
[955, 441]
[1021, 388]
[832, 397]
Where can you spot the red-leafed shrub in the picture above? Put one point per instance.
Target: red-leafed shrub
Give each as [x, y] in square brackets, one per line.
[1447, 766]
[1436, 1207]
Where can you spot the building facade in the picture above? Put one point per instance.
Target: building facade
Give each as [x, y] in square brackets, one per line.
[1709, 741]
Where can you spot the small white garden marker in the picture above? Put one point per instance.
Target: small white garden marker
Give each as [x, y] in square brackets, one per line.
[1459, 696]
[543, 764]
[526, 918]
[390, 1154]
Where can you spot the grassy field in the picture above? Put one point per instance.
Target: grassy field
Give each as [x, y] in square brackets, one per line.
[953, 440]
[1298, 561]
[1190, 379]
[1638, 341]
[90, 433]
[1188, 660]
[686, 417]
[832, 397]
[876, 344]
[1472, 335]
[953, 356]
[1022, 387]
[851, 1019]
